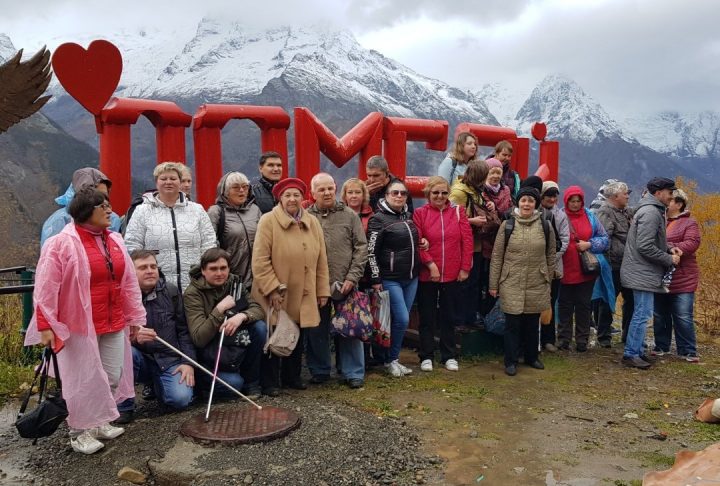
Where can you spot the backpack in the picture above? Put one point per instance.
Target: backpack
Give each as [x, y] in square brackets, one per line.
[452, 172]
[510, 226]
[136, 201]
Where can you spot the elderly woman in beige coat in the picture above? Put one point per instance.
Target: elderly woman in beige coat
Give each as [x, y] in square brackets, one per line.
[290, 272]
[521, 270]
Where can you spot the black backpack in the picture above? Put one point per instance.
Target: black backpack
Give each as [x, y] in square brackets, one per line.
[136, 201]
[510, 226]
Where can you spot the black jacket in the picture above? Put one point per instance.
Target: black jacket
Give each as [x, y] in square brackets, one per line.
[392, 245]
[262, 192]
[166, 315]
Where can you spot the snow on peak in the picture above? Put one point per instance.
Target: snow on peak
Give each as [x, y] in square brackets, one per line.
[694, 134]
[503, 102]
[567, 110]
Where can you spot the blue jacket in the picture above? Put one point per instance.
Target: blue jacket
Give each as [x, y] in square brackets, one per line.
[60, 218]
[604, 288]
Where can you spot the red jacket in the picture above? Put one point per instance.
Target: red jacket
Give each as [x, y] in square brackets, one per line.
[572, 273]
[450, 238]
[683, 233]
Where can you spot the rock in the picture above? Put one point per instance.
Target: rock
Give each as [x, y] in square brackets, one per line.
[630, 415]
[131, 475]
[473, 434]
[519, 470]
[248, 479]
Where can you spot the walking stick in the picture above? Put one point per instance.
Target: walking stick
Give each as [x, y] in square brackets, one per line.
[217, 365]
[206, 371]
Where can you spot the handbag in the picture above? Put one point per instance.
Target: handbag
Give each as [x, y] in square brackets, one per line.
[492, 223]
[589, 263]
[353, 317]
[233, 350]
[44, 419]
[285, 335]
[382, 318]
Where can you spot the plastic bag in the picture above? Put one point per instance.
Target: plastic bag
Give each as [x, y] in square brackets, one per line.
[382, 318]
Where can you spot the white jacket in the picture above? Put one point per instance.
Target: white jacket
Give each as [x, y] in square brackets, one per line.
[151, 228]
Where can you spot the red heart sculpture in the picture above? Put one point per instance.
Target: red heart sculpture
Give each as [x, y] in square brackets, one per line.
[90, 76]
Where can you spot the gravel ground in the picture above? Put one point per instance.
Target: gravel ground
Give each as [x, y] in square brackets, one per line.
[334, 445]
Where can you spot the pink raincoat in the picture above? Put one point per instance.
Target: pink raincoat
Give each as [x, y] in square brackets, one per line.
[62, 293]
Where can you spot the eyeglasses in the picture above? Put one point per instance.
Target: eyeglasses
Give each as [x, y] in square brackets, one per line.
[439, 193]
[397, 193]
[240, 187]
[104, 206]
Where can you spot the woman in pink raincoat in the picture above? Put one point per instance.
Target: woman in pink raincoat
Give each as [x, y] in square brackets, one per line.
[86, 299]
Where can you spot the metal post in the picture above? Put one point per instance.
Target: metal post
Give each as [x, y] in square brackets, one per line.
[27, 277]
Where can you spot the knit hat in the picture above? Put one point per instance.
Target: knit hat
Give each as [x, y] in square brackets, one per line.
[534, 182]
[493, 162]
[550, 189]
[529, 191]
[289, 183]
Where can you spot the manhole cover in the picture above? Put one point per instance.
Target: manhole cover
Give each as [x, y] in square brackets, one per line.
[240, 426]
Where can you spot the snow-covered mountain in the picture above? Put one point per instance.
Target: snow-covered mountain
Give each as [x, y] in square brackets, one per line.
[678, 134]
[503, 102]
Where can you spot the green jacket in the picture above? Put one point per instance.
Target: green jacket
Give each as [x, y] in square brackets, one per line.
[200, 300]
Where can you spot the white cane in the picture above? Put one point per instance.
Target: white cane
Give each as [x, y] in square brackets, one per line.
[207, 371]
[217, 365]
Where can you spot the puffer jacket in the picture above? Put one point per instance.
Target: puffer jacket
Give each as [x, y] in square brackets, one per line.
[683, 232]
[239, 232]
[646, 257]
[616, 223]
[450, 237]
[521, 271]
[200, 299]
[392, 245]
[166, 315]
[151, 228]
[378, 196]
[563, 229]
[345, 242]
[262, 194]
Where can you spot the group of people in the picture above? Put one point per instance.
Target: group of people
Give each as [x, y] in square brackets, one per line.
[484, 239]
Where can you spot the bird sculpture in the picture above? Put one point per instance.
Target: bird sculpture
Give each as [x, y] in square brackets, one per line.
[22, 84]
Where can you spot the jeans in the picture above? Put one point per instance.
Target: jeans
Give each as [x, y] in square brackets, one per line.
[574, 299]
[439, 305]
[605, 316]
[547, 332]
[642, 312]
[521, 328]
[675, 311]
[166, 382]
[350, 354]
[402, 295]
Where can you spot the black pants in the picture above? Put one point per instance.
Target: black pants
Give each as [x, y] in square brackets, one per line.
[521, 328]
[547, 332]
[439, 305]
[574, 299]
[471, 291]
[276, 370]
[605, 315]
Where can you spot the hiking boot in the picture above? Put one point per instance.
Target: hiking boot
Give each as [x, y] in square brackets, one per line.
[537, 364]
[106, 431]
[564, 346]
[451, 365]
[550, 348]
[126, 416]
[148, 392]
[319, 379]
[86, 443]
[647, 359]
[511, 370]
[635, 362]
[271, 391]
[356, 383]
[581, 347]
[394, 369]
[605, 344]
[295, 385]
[426, 365]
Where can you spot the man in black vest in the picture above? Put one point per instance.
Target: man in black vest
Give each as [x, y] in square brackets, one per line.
[270, 174]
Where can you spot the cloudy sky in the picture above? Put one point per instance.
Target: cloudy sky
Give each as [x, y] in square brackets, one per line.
[631, 55]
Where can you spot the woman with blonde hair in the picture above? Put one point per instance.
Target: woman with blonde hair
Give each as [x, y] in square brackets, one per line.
[456, 162]
[167, 222]
[355, 195]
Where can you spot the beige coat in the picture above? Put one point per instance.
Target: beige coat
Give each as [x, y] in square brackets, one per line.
[293, 254]
[522, 272]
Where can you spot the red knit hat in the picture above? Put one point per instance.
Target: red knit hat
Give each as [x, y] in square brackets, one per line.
[289, 183]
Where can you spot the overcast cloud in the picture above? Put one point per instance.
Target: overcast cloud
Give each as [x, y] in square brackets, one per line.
[631, 56]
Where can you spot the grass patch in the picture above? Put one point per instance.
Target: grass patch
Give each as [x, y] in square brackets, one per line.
[380, 407]
[13, 370]
[705, 432]
[655, 459]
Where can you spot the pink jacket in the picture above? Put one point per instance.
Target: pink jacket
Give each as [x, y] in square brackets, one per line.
[62, 294]
[683, 233]
[450, 238]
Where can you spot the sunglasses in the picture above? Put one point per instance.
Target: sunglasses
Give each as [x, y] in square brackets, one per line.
[104, 206]
[439, 193]
[396, 193]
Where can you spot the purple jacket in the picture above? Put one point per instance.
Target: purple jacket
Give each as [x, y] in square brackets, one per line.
[683, 233]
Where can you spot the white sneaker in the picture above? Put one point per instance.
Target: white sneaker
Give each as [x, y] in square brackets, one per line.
[86, 443]
[106, 431]
[405, 370]
[394, 369]
[426, 365]
[451, 365]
